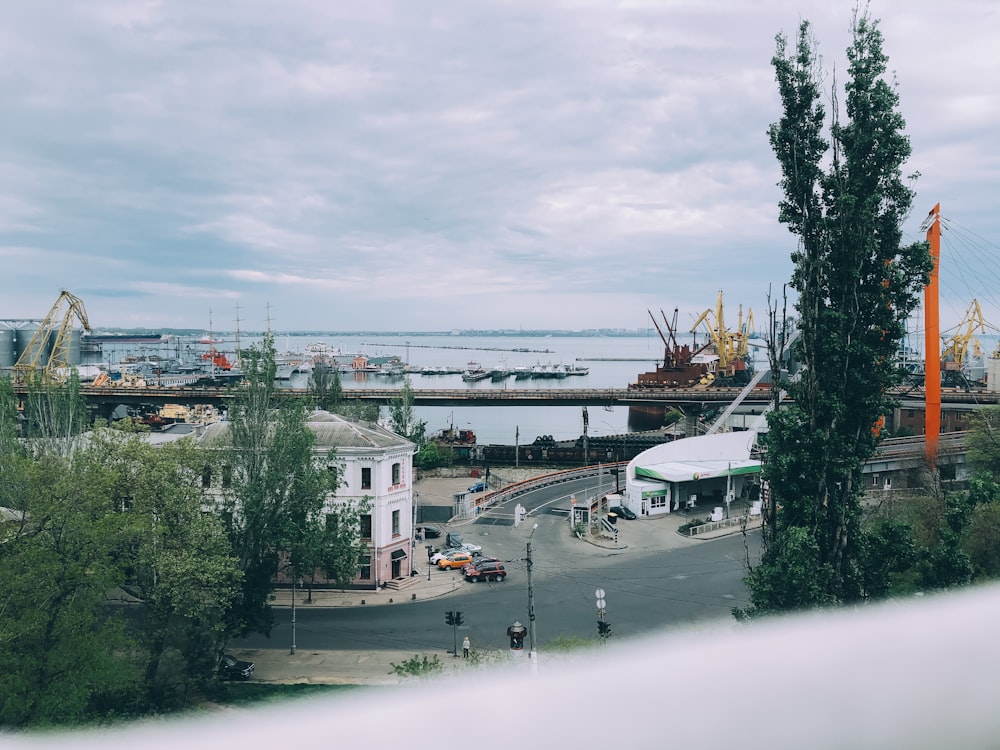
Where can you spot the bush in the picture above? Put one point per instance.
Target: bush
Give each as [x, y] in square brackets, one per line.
[417, 666]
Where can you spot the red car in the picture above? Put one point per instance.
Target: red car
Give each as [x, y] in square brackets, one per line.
[488, 570]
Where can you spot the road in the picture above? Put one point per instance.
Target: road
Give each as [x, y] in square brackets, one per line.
[645, 590]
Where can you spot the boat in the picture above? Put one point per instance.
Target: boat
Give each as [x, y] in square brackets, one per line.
[575, 369]
[474, 372]
[321, 349]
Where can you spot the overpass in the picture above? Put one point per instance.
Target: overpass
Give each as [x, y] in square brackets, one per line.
[104, 399]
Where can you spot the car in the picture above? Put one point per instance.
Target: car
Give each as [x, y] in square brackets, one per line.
[479, 487]
[441, 554]
[231, 668]
[455, 560]
[428, 532]
[623, 512]
[487, 570]
[473, 549]
[453, 540]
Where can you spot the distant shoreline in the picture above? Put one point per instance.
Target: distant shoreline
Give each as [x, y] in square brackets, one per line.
[498, 333]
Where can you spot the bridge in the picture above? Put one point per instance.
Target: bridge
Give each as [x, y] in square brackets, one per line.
[104, 398]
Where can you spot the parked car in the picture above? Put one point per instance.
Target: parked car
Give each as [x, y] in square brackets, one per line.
[454, 560]
[623, 512]
[479, 487]
[231, 668]
[429, 532]
[473, 549]
[487, 570]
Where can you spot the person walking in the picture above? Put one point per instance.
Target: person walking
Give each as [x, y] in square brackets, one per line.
[466, 645]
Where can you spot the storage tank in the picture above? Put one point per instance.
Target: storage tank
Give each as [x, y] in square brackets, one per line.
[74, 355]
[8, 351]
[993, 374]
[24, 334]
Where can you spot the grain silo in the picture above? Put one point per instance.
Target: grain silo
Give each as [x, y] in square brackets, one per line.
[24, 334]
[8, 350]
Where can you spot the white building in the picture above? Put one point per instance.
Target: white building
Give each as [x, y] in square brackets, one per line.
[374, 464]
[690, 472]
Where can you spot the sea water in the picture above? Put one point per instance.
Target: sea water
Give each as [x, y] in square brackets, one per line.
[613, 362]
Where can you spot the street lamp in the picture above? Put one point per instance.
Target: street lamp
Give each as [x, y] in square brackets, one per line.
[532, 638]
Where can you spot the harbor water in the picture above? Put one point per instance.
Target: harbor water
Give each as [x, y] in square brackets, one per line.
[612, 362]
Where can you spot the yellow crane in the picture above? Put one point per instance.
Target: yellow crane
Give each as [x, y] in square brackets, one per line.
[731, 346]
[956, 349]
[47, 353]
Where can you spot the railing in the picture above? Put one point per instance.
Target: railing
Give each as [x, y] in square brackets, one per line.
[513, 491]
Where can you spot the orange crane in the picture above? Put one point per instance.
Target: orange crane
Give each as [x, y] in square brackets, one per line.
[55, 331]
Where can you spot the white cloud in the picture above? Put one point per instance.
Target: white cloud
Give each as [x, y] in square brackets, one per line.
[392, 161]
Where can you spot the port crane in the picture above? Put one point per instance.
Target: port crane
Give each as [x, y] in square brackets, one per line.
[47, 352]
[954, 354]
[730, 345]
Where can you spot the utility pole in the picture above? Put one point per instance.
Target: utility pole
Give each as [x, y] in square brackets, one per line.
[292, 652]
[532, 638]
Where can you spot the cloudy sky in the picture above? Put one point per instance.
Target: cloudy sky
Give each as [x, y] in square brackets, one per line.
[419, 165]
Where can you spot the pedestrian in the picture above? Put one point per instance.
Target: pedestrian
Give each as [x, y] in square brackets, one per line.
[465, 647]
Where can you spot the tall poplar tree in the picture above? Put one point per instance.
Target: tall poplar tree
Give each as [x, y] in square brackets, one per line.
[276, 489]
[845, 199]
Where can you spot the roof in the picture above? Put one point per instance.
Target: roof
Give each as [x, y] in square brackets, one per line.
[701, 457]
[332, 431]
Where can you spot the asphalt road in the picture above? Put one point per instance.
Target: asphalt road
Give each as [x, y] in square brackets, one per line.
[644, 592]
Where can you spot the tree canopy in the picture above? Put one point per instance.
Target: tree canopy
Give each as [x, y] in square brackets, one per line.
[844, 199]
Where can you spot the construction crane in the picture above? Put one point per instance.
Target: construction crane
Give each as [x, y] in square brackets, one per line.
[731, 346]
[953, 356]
[37, 358]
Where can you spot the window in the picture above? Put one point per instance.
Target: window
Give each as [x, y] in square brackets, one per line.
[887, 485]
[874, 480]
[331, 522]
[366, 526]
[395, 473]
[365, 566]
[395, 523]
[366, 478]
[206, 477]
[227, 475]
[660, 501]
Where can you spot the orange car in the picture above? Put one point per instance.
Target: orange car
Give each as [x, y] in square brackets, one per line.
[455, 560]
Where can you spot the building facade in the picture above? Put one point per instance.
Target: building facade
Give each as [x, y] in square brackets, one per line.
[375, 467]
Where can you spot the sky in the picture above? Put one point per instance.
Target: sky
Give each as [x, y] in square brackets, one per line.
[414, 165]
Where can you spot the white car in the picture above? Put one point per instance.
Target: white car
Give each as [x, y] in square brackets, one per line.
[472, 549]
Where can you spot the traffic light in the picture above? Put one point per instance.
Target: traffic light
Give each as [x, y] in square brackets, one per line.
[459, 619]
[449, 618]
[603, 628]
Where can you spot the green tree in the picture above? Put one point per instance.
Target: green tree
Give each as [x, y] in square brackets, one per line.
[325, 387]
[845, 199]
[402, 419]
[64, 656]
[55, 414]
[984, 441]
[432, 455]
[177, 559]
[275, 499]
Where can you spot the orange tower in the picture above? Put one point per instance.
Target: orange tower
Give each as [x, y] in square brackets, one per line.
[932, 342]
